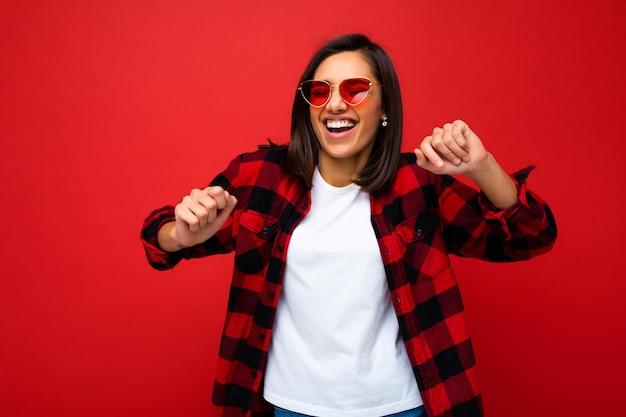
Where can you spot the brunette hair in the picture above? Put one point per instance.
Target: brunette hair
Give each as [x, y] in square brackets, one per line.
[381, 167]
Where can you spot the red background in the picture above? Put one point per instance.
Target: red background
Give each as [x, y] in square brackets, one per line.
[110, 109]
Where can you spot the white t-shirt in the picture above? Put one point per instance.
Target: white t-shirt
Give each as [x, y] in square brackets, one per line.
[336, 347]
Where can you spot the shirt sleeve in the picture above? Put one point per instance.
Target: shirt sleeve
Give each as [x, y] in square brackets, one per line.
[473, 227]
[221, 242]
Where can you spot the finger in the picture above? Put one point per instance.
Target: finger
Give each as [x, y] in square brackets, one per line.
[460, 132]
[420, 158]
[222, 214]
[441, 144]
[461, 126]
[466, 131]
[203, 205]
[190, 213]
[448, 143]
[429, 155]
[218, 195]
[231, 202]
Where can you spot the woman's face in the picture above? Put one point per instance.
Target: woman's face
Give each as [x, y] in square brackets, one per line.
[346, 133]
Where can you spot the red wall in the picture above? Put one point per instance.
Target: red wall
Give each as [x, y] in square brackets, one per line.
[110, 109]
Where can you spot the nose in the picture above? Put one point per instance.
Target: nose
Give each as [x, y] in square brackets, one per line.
[335, 103]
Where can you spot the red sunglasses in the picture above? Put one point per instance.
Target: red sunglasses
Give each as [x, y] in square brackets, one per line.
[353, 91]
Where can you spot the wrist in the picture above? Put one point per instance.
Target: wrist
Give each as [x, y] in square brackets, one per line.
[168, 239]
[484, 170]
[495, 183]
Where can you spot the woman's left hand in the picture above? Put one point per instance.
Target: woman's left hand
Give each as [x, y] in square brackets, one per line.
[455, 149]
[451, 149]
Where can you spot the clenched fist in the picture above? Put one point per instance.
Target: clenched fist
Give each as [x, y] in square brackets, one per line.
[455, 149]
[451, 149]
[198, 217]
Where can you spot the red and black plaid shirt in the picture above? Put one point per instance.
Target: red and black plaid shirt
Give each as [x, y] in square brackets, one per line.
[418, 222]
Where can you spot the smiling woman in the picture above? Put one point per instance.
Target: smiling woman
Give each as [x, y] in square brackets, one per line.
[353, 56]
[343, 300]
[346, 131]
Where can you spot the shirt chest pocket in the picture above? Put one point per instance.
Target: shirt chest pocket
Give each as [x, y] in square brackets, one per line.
[420, 240]
[254, 240]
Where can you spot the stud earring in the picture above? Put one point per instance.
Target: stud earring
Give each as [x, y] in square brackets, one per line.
[384, 122]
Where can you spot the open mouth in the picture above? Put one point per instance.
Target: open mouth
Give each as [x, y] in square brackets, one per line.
[338, 126]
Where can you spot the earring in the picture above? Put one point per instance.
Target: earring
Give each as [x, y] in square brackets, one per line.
[384, 122]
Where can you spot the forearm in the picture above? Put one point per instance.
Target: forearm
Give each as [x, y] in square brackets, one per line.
[495, 183]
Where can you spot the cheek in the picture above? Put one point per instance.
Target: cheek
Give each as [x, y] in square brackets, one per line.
[314, 117]
[370, 126]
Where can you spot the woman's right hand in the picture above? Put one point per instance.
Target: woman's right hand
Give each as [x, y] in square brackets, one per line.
[198, 217]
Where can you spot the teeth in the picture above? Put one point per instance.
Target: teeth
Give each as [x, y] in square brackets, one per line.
[338, 124]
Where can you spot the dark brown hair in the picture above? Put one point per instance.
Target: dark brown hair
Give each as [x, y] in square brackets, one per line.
[382, 164]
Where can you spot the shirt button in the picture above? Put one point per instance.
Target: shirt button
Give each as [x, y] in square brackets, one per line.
[253, 374]
[265, 231]
[281, 248]
[419, 232]
[304, 206]
[261, 337]
[270, 295]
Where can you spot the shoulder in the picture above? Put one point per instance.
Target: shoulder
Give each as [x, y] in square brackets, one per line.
[263, 167]
[409, 179]
[262, 159]
[410, 173]
[414, 186]
[414, 190]
[271, 155]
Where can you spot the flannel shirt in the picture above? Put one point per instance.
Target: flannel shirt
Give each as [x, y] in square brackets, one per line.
[418, 222]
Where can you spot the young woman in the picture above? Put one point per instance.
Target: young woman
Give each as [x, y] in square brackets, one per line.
[343, 301]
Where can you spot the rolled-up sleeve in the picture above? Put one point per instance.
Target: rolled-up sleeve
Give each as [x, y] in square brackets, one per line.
[221, 242]
[475, 228]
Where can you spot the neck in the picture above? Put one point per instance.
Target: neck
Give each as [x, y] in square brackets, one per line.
[340, 172]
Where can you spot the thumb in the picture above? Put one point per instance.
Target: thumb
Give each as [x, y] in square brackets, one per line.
[231, 202]
[222, 214]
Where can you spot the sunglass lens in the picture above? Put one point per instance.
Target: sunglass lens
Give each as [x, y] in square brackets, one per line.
[315, 92]
[354, 90]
